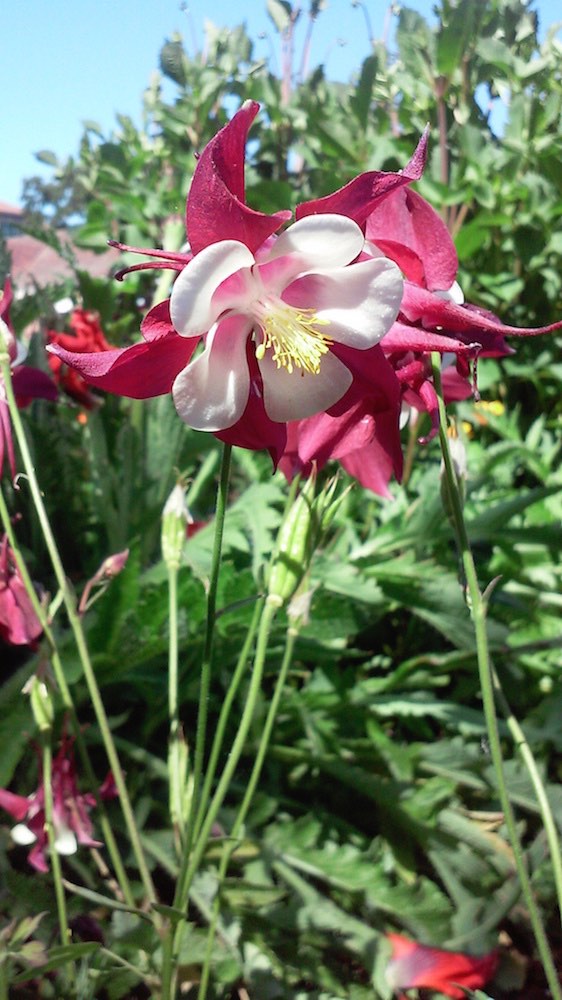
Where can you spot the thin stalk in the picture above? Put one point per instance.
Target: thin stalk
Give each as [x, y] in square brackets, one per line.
[206, 664]
[220, 729]
[68, 703]
[478, 613]
[175, 771]
[229, 848]
[79, 638]
[54, 857]
[4, 980]
[168, 972]
[172, 942]
[547, 817]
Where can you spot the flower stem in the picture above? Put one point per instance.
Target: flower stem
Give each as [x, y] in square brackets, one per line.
[224, 715]
[485, 669]
[54, 857]
[109, 838]
[171, 945]
[168, 972]
[175, 770]
[230, 847]
[547, 817]
[205, 682]
[79, 638]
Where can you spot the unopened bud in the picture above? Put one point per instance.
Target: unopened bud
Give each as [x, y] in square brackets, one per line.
[175, 518]
[293, 554]
[41, 703]
[458, 455]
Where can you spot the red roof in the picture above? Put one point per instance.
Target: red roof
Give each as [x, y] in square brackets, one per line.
[36, 264]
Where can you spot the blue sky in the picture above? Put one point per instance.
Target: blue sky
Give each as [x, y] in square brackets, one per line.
[64, 61]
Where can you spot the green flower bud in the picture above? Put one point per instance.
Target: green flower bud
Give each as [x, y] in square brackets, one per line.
[294, 547]
[41, 704]
[175, 518]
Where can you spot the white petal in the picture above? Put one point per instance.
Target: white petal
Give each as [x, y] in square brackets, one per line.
[300, 394]
[321, 240]
[192, 308]
[360, 303]
[65, 841]
[21, 834]
[453, 294]
[211, 393]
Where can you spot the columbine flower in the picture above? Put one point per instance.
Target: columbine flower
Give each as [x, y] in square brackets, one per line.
[274, 314]
[413, 965]
[19, 624]
[71, 820]
[28, 383]
[87, 336]
[432, 317]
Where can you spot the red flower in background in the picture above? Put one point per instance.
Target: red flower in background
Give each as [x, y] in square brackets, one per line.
[28, 383]
[414, 965]
[19, 624]
[71, 820]
[87, 337]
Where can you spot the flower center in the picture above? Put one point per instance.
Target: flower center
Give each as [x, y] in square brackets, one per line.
[292, 334]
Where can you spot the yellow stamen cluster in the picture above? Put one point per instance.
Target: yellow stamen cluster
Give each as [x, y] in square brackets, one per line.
[294, 338]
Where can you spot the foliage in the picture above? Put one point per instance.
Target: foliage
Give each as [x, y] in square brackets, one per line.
[377, 806]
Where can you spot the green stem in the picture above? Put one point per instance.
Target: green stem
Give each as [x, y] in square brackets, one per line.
[229, 848]
[79, 638]
[54, 857]
[175, 771]
[68, 703]
[478, 612]
[186, 876]
[168, 972]
[205, 682]
[547, 817]
[4, 978]
[224, 714]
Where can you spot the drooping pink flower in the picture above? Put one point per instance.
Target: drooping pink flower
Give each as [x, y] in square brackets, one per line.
[414, 965]
[71, 808]
[432, 317]
[28, 383]
[276, 315]
[19, 624]
[87, 336]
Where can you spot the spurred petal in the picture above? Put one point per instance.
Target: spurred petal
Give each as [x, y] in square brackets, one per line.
[300, 394]
[211, 393]
[193, 304]
[141, 371]
[216, 208]
[410, 224]
[419, 305]
[357, 199]
[157, 322]
[360, 302]
[32, 383]
[16, 805]
[320, 241]
[402, 337]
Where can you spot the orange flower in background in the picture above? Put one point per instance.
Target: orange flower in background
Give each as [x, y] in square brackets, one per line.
[87, 337]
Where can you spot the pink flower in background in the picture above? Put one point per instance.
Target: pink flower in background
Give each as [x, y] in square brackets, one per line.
[28, 383]
[19, 624]
[415, 966]
[71, 808]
